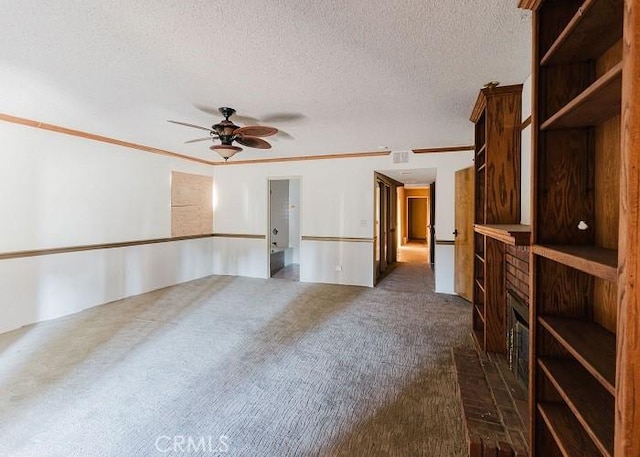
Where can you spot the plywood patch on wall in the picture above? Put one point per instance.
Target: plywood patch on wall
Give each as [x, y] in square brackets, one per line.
[191, 204]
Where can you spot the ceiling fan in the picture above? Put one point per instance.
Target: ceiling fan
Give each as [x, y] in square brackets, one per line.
[228, 133]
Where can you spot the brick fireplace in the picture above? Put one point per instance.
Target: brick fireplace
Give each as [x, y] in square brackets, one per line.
[517, 312]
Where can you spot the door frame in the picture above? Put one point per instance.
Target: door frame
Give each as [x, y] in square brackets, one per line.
[268, 220]
[409, 197]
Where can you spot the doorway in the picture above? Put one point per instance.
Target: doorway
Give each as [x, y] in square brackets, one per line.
[284, 228]
[385, 239]
[417, 218]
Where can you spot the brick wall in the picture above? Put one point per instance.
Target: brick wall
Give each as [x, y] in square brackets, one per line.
[517, 271]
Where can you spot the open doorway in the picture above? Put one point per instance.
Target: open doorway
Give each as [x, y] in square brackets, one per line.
[284, 228]
[415, 213]
[385, 240]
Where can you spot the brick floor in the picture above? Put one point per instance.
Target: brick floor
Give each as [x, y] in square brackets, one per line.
[494, 405]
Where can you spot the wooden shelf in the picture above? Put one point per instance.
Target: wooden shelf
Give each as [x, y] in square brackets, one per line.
[593, 260]
[567, 431]
[482, 149]
[589, 402]
[598, 102]
[513, 234]
[591, 345]
[595, 28]
[478, 334]
[479, 312]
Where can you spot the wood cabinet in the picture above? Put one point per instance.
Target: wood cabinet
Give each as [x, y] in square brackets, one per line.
[584, 316]
[497, 116]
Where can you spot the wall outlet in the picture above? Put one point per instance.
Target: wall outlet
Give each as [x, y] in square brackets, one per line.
[363, 222]
[338, 267]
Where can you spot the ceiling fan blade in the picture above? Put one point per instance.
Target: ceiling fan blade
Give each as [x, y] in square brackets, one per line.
[256, 130]
[244, 119]
[207, 109]
[201, 139]
[282, 117]
[191, 125]
[282, 135]
[253, 142]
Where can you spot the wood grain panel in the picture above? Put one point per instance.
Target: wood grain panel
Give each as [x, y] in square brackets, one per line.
[609, 59]
[464, 180]
[605, 304]
[607, 182]
[600, 101]
[554, 16]
[495, 297]
[560, 84]
[564, 187]
[563, 291]
[627, 414]
[504, 114]
[593, 29]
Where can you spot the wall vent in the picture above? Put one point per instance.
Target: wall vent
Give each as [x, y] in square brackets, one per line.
[400, 156]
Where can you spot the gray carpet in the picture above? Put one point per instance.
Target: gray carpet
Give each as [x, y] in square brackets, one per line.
[241, 367]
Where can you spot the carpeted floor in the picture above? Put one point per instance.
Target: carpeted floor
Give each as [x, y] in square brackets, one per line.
[241, 367]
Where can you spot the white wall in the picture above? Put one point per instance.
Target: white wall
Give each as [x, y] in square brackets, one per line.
[59, 190]
[337, 200]
[294, 220]
[525, 170]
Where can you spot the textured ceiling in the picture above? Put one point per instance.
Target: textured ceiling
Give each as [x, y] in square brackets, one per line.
[365, 74]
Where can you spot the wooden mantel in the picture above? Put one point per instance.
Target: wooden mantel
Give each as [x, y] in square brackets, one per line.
[513, 234]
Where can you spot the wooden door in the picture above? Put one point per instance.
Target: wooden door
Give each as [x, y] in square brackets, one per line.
[464, 233]
[432, 223]
[418, 218]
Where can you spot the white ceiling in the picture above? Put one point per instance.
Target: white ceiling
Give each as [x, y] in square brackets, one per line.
[365, 74]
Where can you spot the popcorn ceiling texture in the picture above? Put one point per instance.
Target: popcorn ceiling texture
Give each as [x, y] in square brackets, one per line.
[364, 73]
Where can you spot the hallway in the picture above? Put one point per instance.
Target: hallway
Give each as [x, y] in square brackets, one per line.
[411, 273]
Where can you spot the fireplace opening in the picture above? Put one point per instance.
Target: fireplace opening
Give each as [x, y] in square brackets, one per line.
[518, 338]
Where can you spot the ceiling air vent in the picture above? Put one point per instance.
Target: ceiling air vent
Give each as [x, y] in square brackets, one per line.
[400, 156]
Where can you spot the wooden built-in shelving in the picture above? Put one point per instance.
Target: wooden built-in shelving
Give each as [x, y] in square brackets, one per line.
[589, 402]
[512, 234]
[566, 430]
[598, 102]
[497, 118]
[590, 344]
[594, 28]
[584, 310]
[596, 261]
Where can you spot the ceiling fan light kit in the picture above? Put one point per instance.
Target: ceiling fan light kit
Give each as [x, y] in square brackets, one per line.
[225, 151]
[228, 132]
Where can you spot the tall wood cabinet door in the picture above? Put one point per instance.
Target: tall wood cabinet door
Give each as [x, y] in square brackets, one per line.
[464, 233]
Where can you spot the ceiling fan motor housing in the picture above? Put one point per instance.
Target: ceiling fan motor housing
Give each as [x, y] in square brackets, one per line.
[225, 130]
